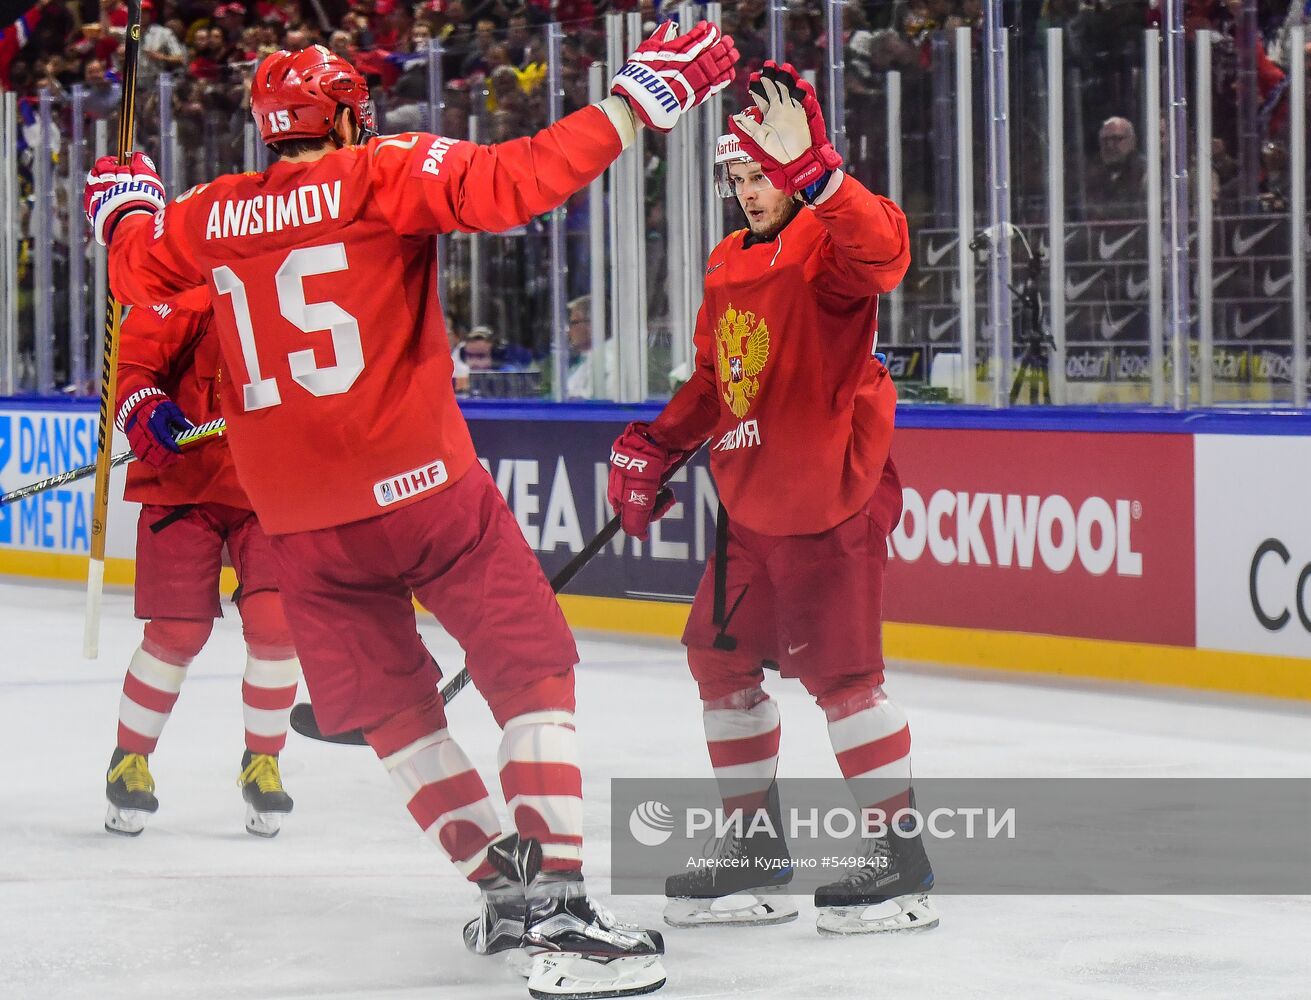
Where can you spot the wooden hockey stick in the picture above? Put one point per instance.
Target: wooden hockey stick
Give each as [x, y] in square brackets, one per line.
[95, 575]
[201, 432]
[303, 720]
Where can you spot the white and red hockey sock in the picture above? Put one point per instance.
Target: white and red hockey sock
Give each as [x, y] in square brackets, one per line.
[267, 693]
[448, 799]
[543, 786]
[871, 740]
[742, 734]
[154, 679]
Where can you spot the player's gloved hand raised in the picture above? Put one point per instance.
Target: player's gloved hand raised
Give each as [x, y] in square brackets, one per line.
[638, 464]
[670, 74]
[785, 132]
[152, 423]
[113, 192]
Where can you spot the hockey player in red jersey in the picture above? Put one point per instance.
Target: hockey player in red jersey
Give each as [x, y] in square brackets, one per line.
[799, 413]
[347, 436]
[192, 507]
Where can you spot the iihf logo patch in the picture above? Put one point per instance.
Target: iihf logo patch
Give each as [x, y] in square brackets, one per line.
[387, 495]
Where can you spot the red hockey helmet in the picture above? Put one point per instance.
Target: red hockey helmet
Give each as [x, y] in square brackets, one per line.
[295, 95]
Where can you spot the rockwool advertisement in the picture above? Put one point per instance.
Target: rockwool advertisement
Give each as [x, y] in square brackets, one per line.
[1254, 570]
[1062, 533]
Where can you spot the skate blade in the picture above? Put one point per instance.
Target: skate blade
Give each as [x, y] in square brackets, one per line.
[520, 962]
[742, 909]
[126, 822]
[583, 977]
[263, 824]
[905, 913]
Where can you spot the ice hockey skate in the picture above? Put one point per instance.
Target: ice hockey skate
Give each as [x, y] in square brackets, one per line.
[743, 883]
[266, 800]
[131, 793]
[889, 894]
[572, 946]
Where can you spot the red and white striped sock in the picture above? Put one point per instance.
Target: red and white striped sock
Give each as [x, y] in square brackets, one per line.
[871, 739]
[267, 693]
[742, 734]
[543, 786]
[448, 799]
[150, 690]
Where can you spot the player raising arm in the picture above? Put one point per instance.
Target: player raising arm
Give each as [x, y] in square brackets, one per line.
[347, 436]
[191, 507]
[799, 412]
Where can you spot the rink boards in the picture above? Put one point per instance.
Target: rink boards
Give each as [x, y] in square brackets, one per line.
[1136, 546]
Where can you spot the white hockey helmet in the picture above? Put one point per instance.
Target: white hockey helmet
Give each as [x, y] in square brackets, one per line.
[727, 150]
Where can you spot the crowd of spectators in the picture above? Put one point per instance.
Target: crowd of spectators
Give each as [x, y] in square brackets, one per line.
[494, 71]
[494, 63]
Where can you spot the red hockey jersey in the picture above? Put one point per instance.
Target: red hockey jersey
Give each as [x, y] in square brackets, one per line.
[324, 277]
[173, 347]
[798, 409]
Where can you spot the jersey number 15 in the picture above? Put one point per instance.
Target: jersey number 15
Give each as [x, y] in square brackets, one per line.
[311, 317]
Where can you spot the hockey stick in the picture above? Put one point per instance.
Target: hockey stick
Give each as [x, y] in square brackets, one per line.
[302, 715]
[95, 574]
[201, 432]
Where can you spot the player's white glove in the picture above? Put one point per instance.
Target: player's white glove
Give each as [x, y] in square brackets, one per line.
[785, 132]
[114, 191]
[670, 74]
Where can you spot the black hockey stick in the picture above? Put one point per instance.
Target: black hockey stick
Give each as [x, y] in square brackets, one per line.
[200, 432]
[302, 715]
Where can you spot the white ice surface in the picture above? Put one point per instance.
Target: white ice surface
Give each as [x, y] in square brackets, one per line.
[350, 901]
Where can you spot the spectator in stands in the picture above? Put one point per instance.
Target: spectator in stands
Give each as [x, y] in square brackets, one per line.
[103, 94]
[206, 49]
[15, 36]
[582, 356]
[230, 19]
[161, 50]
[477, 350]
[1116, 178]
[295, 40]
[1275, 177]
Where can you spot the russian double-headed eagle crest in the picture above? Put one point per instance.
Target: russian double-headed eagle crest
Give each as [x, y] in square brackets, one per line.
[743, 352]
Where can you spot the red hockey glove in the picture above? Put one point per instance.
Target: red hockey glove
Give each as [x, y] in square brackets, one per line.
[785, 132]
[668, 74]
[113, 192]
[152, 422]
[637, 466]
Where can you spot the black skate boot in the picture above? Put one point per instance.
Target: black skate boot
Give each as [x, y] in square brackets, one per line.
[888, 893]
[266, 800]
[576, 948]
[743, 882]
[131, 793]
[499, 925]
[579, 949]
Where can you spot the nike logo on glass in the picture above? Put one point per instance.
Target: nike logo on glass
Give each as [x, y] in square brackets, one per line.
[1272, 287]
[1073, 291]
[1111, 327]
[934, 254]
[1108, 250]
[1243, 327]
[1243, 244]
[936, 330]
[1223, 276]
[1137, 289]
